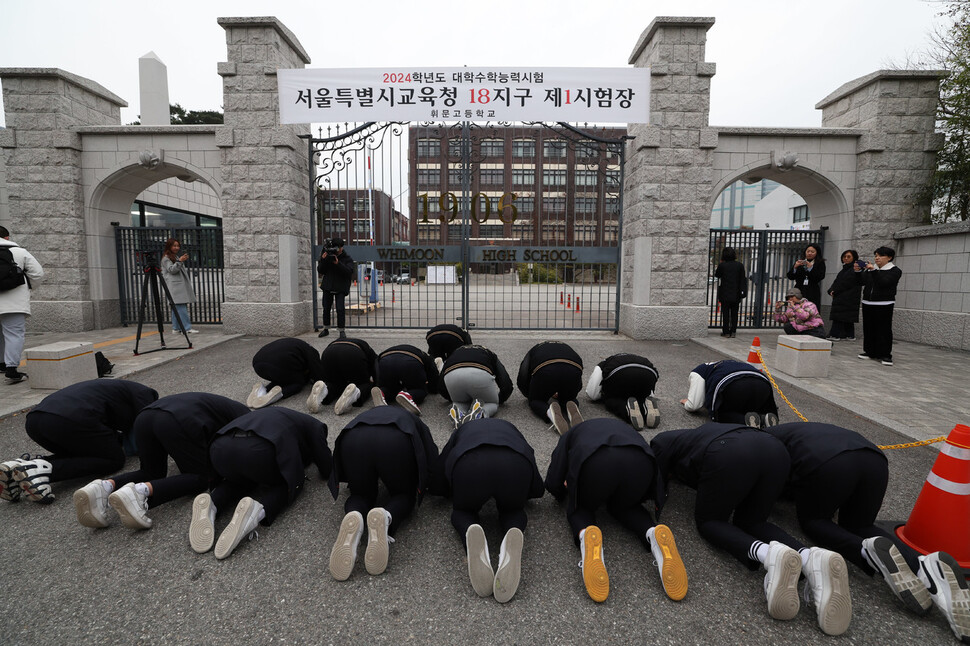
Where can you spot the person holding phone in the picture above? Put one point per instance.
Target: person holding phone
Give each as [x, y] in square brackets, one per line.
[808, 273]
[846, 294]
[879, 283]
[179, 285]
[799, 315]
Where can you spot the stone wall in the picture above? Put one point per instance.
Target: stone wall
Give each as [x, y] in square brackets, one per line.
[669, 174]
[933, 298]
[42, 155]
[265, 194]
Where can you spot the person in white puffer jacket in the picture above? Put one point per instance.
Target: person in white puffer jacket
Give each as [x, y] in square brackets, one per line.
[15, 308]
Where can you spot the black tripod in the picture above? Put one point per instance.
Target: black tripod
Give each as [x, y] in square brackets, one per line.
[152, 272]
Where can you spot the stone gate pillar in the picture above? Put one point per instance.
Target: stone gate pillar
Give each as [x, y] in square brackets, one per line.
[668, 179]
[41, 150]
[897, 157]
[265, 198]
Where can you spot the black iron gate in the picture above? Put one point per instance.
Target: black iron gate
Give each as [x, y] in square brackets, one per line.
[138, 247]
[767, 256]
[487, 226]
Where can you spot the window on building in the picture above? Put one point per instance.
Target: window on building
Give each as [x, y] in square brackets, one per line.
[554, 177]
[800, 213]
[454, 176]
[493, 147]
[454, 147]
[454, 233]
[429, 147]
[492, 176]
[146, 214]
[613, 178]
[586, 151]
[333, 204]
[429, 176]
[361, 204]
[585, 231]
[491, 231]
[612, 205]
[525, 204]
[554, 232]
[585, 205]
[523, 176]
[555, 148]
[610, 231]
[524, 147]
[586, 177]
[434, 205]
[553, 204]
[523, 232]
[428, 233]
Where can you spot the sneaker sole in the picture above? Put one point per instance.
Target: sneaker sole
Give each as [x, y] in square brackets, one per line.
[957, 597]
[34, 492]
[572, 410]
[274, 394]
[752, 419]
[674, 574]
[835, 608]
[9, 488]
[594, 570]
[377, 397]
[407, 405]
[345, 401]
[375, 557]
[783, 602]
[251, 400]
[232, 535]
[479, 567]
[900, 578]
[636, 419]
[83, 504]
[343, 555]
[509, 574]
[127, 518]
[558, 420]
[313, 401]
[202, 534]
[653, 414]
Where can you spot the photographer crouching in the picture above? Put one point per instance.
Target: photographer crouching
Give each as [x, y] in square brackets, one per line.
[335, 269]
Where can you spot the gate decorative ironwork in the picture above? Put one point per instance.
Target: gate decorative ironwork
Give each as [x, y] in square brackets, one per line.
[767, 255]
[506, 226]
[138, 246]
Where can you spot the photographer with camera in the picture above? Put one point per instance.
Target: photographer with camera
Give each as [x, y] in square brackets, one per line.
[335, 269]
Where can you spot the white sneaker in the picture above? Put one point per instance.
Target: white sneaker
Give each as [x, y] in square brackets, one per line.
[783, 566]
[91, 504]
[479, 563]
[317, 394]
[828, 588]
[347, 398]
[343, 555]
[244, 522]
[947, 585]
[885, 558]
[593, 562]
[633, 411]
[554, 413]
[377, 396]
[202, 529]
[34, 479]
[652, 418]
[131, 505]
[268, 397]
[259, 390]
[509, 566]
[673, 574]
[9, 487]
[192, 331]
[378, 550]
[572, 411]
[406, 401]
[439, 363]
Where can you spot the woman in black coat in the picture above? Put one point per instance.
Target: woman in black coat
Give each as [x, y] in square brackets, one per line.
[808, 273]
[731, 290]
[846, 293]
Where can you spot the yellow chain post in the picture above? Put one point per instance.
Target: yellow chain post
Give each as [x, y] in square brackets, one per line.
[907, 445]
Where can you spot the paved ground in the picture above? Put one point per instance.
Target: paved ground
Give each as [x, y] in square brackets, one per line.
[74, 585]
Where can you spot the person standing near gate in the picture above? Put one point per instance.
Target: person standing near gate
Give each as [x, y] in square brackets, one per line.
[335, 268]
[808, 273]
[17, 269]
[179, 285]
[879, 283]
[732, 288]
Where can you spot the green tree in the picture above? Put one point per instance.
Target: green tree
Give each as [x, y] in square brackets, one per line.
[181, 116]
[949, 189]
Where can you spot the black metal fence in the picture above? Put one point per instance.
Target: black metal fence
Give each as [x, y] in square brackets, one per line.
[767, 255]
[139, 248]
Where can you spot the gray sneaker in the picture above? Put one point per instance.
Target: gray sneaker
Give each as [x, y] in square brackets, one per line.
[202, 529]
[636, 416]
[317, 395]
[555, 416]
[886, 559]
[479, 563]
[572, 411]
[91, 505]
[652, 418]
[509, 570]
[347, 399]
[343, 555]
[131, 506]
[378, 550]
[244, 522]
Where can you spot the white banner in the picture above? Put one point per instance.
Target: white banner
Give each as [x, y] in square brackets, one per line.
[600, 95]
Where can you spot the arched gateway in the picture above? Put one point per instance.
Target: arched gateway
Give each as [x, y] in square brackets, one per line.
[68, 170]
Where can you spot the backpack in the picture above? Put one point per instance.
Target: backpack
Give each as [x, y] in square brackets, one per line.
[11, 274]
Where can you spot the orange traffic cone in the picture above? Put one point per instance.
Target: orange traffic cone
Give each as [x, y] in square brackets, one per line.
[940, 520]
[753, 357]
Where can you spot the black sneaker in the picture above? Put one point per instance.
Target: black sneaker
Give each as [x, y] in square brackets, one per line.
[863, 355]
[14, 376]
[885, 558]
[324, 332]
[752, 419]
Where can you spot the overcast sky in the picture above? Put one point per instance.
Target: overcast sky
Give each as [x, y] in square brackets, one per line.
[775, 59]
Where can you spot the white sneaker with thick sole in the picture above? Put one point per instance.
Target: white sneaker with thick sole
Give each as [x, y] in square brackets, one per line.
[828, 589]
[883, 555]
[783, 566]
[347, 398]
[34, 478]
[479, 563]
[554, 413]
[91, 504]
[947, 586]
[509, 570]
[378, 550]
[317, 394]
[244, 522]
[131, 505]
[9, 487]
[202, 529]
[343, 555]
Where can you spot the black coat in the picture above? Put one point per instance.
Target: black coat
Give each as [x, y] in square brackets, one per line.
[197, 417]
[336, 276]
[282, 360]
[812, 444]
[422, 357]
[809, 282]
[446, 338]
[544, 354]
[680, 453]
[733, 285]
[89, 404]
[879, 285]
[846, 292]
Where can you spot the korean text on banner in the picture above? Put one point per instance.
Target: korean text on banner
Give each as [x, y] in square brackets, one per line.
[601, 95]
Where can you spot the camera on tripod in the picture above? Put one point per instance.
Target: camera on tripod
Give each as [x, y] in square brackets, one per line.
[332, 245]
